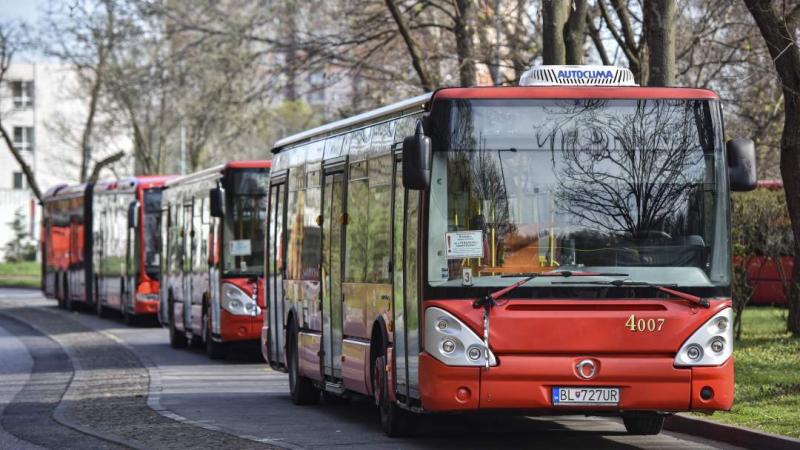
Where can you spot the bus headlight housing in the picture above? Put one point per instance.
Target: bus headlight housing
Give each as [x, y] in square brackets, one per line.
[711, 344]
[450, 341]
[237, 302]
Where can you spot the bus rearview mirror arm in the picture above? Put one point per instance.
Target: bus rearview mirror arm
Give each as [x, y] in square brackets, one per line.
[217, 202]
[741, 164]
[417, 156]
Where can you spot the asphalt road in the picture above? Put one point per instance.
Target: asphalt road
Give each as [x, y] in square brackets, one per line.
[71, 380]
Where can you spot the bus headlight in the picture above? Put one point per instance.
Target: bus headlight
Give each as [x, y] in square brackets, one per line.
[450, 341]
[237, 302]
[711, 344]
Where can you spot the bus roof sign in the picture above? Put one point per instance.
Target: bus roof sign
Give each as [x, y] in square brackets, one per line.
[577, 76]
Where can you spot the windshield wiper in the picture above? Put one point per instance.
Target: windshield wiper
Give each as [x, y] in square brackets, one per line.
[665, 288]
[490, 300]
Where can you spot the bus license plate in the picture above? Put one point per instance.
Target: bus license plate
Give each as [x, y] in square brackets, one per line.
[585, 396]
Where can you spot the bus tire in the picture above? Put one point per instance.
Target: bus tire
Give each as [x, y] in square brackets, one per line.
[395, 421]
[101, 310]
[176, 338]
[214, 350]
[643, 423]
[301, 389]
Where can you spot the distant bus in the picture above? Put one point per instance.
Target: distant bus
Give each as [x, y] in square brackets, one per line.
[99, 245]
[560, 246]
[126, 240]
[213, 255]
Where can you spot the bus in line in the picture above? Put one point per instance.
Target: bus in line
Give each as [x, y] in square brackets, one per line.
[213, 256]
[100, 245]
[126, 240]
[559, 246]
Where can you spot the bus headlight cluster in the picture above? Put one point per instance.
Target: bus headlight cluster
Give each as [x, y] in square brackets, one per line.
[711, 344]
[236, 301]
[453, 343]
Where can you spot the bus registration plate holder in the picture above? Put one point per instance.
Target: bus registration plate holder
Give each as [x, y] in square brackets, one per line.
[599, 396]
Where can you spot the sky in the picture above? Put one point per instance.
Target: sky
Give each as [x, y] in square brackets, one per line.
[27, 10]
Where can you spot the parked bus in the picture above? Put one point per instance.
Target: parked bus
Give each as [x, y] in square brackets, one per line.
[213, 253]
[55, 232]
[126, 240]
[769, 277]
[100, 246]
[560, 246]
[67, 253]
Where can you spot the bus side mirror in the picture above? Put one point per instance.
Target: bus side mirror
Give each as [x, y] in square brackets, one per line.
[217, 202]
[742, 164]
[417, 154]
[133, 217]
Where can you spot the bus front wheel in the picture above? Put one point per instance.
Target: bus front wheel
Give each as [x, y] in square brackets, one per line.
[301, 389]
[176, 338]
[643, 423]
[395, 421]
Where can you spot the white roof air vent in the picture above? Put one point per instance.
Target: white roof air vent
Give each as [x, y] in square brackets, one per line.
[577, 76]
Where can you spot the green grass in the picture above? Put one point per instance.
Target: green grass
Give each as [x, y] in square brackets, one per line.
[25, 274]
[767, 375]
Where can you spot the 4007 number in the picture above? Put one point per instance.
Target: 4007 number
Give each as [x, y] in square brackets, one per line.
[640, 325]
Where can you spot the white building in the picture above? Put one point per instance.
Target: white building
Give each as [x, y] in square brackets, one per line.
[42, 107]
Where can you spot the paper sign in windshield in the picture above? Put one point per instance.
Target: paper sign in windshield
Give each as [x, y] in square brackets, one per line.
[241, 247]
[464, 244]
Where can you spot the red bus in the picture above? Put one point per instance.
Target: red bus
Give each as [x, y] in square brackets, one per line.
[54, 243]
[560, 246]
[770, 278]
[67, 254]
[126, 240]
[213, 253]
[100, 246]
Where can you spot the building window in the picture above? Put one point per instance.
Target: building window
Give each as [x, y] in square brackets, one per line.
[19, 182]
[22, 92]
[23, 138]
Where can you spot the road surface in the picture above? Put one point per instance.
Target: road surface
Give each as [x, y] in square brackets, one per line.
[71, 380]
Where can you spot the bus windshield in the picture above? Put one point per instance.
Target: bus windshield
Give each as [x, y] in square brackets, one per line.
[245, 215]
[151, 232]
[631, 186]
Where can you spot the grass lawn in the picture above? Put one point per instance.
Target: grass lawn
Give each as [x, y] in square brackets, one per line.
[767, 375]
[20, 274]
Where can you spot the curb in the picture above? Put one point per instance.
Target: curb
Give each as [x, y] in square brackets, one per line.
[742, 437]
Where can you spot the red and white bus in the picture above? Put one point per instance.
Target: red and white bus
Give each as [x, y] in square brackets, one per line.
[560, 246]
[100, 246]
[213, 252]
[125, 246]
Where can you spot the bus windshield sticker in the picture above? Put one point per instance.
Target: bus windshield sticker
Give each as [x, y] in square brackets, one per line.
[241, 247]
[464, 244]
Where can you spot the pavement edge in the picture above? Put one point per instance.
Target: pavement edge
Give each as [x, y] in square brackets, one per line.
[739, 436]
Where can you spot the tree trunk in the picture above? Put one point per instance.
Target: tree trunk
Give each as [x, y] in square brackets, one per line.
[554, 17]
[659, 29]
[575, 31]
[786, 57]
[465, 41]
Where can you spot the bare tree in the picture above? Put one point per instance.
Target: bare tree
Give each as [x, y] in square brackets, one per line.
[575, 31]
[779, 24]
[659, 31]
[10, 44]
[554, 16]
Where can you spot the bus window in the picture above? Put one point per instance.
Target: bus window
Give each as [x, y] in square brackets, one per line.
[355, 254]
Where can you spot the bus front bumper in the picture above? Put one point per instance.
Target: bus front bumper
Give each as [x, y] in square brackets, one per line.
[525, 382]
[235, 328]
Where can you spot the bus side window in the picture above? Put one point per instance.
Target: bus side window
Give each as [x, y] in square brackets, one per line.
[357, 222]
[380, 215]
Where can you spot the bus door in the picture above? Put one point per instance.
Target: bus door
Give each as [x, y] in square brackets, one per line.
[186, 270]
[333, 218]
[275, 270]
[405, 310]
